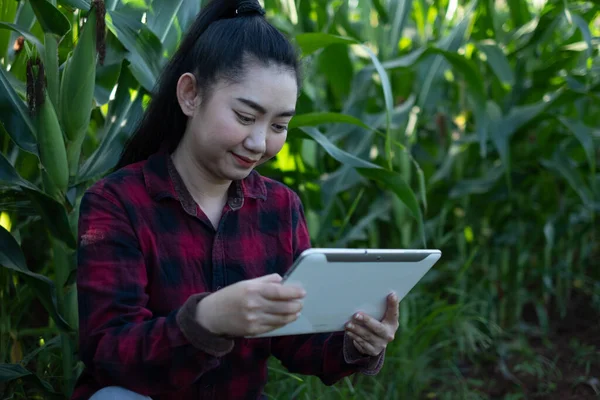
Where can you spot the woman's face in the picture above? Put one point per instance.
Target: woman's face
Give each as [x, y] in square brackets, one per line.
[241, 125]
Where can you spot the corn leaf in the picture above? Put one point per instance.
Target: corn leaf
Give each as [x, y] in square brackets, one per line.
[8, 10]
[12, 257]
[340, 155]
[50, 18]
[311, 42]
[319, 118]
[12, 372]
[9, 177]
[31, 38]
[15, 116]
[394, 182]
[144, 48]
[583, 133]
[80, 4]
[566, 168]
[497, 61]
[403, 8]
[162, 16]
[107, 154]
[585, 32]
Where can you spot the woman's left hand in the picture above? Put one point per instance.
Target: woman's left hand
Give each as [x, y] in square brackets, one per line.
[371, 337]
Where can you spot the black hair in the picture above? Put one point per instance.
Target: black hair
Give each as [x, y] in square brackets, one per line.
[225, 37]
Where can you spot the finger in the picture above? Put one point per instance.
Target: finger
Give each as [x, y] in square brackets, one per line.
[283, 307]
[277, 320]
[392, 312]
[362, 345]
[377, 328]
[363, 332]
[273, 278]
[278, 292]
[358, 346]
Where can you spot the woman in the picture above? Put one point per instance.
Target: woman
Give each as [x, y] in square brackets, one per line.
[182, 249]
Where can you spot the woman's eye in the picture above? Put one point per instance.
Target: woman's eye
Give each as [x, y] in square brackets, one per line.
[244, 119]
[279, 128]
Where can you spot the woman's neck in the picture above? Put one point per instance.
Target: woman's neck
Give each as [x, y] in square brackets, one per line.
[206, 191]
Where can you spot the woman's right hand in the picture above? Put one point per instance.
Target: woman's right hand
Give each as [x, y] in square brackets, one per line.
[250, 307]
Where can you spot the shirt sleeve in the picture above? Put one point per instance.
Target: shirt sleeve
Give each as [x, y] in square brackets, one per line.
[330, 357]
[121, 342]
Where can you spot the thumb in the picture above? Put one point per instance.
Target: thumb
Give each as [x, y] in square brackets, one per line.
[392, 312]
[271, 278]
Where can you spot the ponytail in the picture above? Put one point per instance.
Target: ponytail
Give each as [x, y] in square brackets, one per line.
[216, 46]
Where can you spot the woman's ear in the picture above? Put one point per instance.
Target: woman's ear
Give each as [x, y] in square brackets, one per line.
[187, 93]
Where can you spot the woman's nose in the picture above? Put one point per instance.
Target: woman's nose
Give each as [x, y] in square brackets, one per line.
[256, 142]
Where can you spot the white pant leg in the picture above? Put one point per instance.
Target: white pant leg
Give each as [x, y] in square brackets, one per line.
[117, 393]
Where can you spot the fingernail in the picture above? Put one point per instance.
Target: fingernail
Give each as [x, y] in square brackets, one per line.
[350, 325]
[358, 317]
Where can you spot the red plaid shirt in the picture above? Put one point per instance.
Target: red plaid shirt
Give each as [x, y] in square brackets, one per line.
[147, 254]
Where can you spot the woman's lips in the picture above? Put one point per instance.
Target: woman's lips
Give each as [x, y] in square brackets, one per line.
[244, 161]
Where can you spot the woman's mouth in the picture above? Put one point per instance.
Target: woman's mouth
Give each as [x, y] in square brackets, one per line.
[244, 161]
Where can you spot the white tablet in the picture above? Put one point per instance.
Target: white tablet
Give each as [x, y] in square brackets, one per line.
[341, 282]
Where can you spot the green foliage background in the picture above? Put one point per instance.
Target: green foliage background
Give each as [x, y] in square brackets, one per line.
[472, 127]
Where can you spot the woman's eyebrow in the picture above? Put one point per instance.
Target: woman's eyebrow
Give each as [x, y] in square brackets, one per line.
[258, 108]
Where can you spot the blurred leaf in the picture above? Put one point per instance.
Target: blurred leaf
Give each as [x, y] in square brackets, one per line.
[12, 257]
[383, 15]
[311, 42]
[15, 116]
[482, 185]
[585, 32]
[497, 61]
[519, 12]
[400, 17]
[394, 182]
[80, 4]
[565, 167]
[389, 102]
[51, 344]
[26, 34]
[107, 154]
[358, 232]
[161, 17]
[8, 10]
[54, 215]
[503, 129]
[583, 133]
[340, 155]
[449, 43]
[9, 176]
[144, 48]
[11, 372]
[50, 18]
[107, 75]
[543, 27]
[334, 62]
[319, 118]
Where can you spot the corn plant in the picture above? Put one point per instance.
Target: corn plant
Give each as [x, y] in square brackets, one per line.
[469, 126]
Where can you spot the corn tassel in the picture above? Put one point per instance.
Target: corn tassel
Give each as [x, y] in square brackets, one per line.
[51, 146]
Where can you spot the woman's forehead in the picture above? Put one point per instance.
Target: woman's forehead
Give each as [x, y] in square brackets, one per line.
[271, 87]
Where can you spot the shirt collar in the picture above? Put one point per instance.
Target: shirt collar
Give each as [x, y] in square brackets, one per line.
[163, 181]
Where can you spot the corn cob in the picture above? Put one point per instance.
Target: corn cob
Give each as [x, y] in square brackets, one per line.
[78, 81]
[51, 145]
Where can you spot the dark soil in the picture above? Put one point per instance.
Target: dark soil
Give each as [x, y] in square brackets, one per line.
[564, 365]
